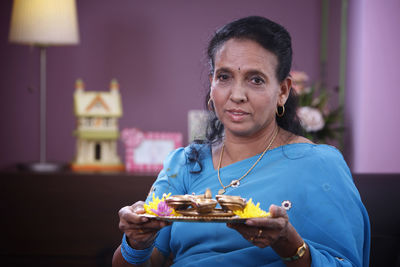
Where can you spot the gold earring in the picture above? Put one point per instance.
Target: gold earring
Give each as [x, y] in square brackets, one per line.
[209, 104]
[280, 115]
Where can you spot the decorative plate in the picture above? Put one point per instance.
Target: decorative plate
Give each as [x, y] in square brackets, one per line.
[208, 218]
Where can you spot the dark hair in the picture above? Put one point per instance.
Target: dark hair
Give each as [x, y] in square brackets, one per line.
[274, 38]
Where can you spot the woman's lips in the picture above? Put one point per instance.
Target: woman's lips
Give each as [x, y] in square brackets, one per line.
[236, 114]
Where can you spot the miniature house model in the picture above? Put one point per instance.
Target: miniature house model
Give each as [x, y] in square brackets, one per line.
[97, 132]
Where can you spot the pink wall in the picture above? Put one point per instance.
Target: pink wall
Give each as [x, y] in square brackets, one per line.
[372, 103]
[155, 50]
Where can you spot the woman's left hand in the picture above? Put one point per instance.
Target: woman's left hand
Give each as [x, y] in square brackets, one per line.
[267, 231]
[277, 232]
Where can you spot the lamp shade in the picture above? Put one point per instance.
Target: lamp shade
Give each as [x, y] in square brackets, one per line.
[44, 22]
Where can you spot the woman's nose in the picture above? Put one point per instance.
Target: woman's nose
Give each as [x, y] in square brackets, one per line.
[238, 93]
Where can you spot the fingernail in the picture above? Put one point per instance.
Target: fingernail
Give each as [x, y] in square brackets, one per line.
[144, 219]
[249, 222]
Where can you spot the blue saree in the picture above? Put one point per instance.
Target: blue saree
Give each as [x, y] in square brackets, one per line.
[314, 180]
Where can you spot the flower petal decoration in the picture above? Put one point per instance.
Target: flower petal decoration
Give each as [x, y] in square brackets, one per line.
[162, 209]
[251, 211]
[159, 207]
[286, 204]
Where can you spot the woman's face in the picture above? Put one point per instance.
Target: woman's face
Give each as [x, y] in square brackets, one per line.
[244, 88]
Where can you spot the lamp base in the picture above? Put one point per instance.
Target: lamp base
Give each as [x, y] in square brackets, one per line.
[41, 167]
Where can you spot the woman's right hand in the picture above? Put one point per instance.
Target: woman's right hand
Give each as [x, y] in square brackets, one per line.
[140, 231]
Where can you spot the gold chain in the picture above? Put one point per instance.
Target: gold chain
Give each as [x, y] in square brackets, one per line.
[233, 182]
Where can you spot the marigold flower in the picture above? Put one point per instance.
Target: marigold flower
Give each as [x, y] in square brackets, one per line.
[251, 211]
[159, 207]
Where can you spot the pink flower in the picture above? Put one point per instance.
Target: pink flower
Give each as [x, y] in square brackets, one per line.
[300, 79]
[311, 119]
[162, 209]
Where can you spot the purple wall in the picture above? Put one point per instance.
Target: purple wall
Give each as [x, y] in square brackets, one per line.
[372, 95]
[156, 51]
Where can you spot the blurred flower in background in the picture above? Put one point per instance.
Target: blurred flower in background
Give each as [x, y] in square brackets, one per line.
[300, 82]
[321, 124]
[311, 119]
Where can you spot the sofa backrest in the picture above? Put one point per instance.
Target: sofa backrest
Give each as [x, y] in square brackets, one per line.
[381, 196]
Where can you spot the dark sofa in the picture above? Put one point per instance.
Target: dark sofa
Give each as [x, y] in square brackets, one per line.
[381, 196]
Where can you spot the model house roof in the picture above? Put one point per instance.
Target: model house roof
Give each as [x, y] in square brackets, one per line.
[97, 103]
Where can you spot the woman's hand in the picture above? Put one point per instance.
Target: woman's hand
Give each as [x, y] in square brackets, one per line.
[140, 231]
[274, 231]
[264, 232]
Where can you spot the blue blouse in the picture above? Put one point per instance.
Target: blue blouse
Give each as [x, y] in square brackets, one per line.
[326, 209]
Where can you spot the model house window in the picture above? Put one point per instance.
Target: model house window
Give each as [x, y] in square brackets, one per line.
[97, 151]
[88, 121]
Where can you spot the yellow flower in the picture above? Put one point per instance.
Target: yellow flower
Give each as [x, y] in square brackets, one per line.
[158, 207]
[251, 211]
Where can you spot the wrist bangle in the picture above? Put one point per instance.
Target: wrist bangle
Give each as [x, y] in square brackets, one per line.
[299, 254]
[135, 256]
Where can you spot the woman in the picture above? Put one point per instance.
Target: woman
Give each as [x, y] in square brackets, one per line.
[254, 150]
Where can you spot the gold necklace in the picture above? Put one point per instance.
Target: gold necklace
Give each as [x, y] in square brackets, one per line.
[236, 183]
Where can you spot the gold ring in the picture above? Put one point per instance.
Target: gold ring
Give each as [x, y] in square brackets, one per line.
[140, 231]
[252, 239]
[259, 233]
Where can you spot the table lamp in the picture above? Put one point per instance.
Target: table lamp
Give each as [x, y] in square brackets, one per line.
[43, 23]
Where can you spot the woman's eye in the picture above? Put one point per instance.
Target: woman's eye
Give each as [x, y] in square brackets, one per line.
[257, 80]
[222, 77]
